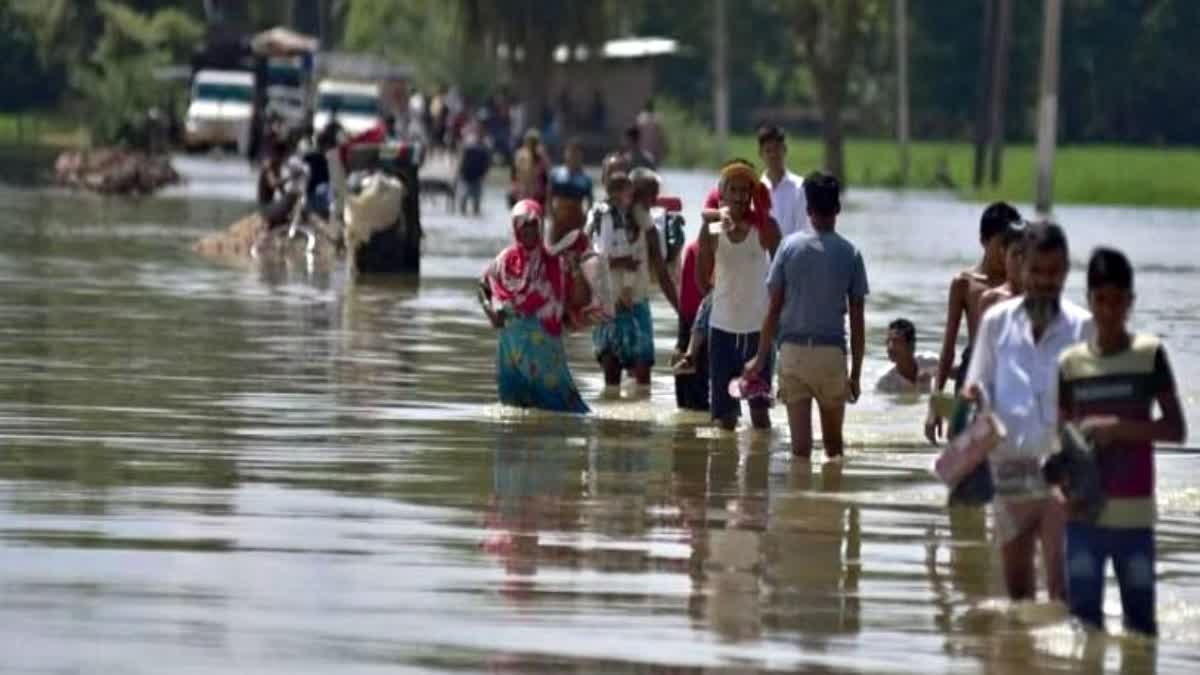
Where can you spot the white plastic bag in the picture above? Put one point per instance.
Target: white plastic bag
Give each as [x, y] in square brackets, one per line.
[377, 206]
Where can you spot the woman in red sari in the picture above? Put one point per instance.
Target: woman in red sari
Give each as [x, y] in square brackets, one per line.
[525, 292]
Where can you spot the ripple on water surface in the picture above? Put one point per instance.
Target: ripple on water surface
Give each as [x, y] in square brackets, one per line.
[272, 470]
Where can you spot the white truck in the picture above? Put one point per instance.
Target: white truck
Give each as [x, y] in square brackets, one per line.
[355, 104]
[221, 110]
[288, 90]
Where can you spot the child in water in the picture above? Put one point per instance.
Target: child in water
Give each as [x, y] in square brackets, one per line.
[1108, 386]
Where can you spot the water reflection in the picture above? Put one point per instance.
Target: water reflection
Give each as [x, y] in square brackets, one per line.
[815, 553]
[961, 564]
[277, 471]
[529, 482]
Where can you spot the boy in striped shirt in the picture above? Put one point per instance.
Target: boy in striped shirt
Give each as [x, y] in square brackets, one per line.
[1108, 385]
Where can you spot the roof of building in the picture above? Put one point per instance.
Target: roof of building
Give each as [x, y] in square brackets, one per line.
[225, 77]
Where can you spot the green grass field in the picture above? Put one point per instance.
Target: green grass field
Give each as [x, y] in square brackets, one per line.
[40, 128]
[1092, 174]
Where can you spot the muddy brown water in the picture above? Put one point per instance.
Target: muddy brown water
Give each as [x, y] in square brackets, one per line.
[277, 470]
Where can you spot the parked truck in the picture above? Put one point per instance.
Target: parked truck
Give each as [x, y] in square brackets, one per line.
[221, 110]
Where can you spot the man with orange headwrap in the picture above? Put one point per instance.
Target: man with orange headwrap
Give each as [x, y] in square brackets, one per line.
[736, 257]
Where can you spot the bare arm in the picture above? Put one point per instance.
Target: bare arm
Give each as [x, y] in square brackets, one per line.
[858, 343]
[485, 302]
[770, 236]
[955, 306]
[766, 338]
[707, 259]
[660, 269]
[1169, 428]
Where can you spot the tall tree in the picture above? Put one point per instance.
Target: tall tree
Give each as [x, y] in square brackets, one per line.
[532, 29]
[423, 35]
[829, 38]
[28, 80]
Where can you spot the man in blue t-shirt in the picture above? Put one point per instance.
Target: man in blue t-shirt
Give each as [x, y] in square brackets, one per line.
[814, 281]
[570, 180]
[571, 194]
[473, 167]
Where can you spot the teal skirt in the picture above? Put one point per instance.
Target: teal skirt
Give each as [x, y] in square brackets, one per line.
[629, 337]
[532, 371]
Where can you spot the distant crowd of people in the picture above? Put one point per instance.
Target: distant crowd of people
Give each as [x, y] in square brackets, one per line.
[529, 161]
[769, 291]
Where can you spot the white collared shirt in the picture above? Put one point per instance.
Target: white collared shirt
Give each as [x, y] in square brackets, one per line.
[1020, 376]
[789, 207]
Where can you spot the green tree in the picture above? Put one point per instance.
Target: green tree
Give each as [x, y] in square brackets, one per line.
[830, 38]
[118, 83]
[29, 80]
[535, 28]
[415, 33]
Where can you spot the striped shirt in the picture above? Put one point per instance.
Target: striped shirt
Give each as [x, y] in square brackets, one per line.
[1123, 385]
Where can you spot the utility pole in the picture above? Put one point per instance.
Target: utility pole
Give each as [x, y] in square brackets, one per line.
[324, 20]
[1048, 105]
[999, 92]
[720, 78]
[983, 91]
[902, 130]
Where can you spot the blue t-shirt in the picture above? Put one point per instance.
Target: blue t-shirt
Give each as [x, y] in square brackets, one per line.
[476, 160]
[570, 184]
[818, 274]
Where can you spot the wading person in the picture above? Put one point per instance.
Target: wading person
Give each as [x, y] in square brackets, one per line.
[570, 191]
[570, 187]
[475, 160]
[1108, 386]
[690, 360]
[1015, 363]
[630, 244]
[788, 206]
[966, 291]
[1014, 261]
[275, 199]
[530, 170]
[525, 293]
[911, 371]
[815, 281]
[635, 153]
[736, 259]
[691, 351]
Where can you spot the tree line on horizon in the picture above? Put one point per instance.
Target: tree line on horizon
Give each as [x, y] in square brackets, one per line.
[1127, 75]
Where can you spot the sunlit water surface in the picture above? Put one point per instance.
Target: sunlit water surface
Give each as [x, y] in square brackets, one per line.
[211, 469]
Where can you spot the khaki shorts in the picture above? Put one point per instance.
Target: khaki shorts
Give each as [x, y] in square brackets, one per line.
[813, 372]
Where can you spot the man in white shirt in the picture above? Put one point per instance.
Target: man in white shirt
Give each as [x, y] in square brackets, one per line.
[1015, 364]
[788, 204]
[912, 371]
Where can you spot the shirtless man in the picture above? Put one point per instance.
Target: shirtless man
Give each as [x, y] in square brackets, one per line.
[1014, 258]
[966, 294]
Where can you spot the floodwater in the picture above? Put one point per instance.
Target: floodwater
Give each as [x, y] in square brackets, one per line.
[208, 469]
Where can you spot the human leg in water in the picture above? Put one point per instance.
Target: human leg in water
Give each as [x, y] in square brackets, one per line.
[1017, 556]
[612, 370]
[799, 412]
[833, 417]
[641, 374]
[1052, 528]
